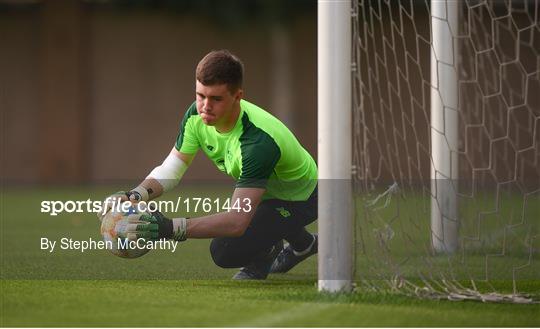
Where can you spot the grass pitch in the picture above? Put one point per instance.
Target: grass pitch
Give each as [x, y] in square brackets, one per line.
[69, 288]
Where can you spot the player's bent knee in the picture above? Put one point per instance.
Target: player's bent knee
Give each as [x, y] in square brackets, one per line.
[221, 255]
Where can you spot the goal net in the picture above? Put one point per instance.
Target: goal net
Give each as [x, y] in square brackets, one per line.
[446, 148]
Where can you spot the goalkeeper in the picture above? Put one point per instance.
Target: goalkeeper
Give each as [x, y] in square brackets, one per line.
[276, 178]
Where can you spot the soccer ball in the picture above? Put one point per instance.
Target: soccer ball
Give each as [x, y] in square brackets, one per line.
[117, 223]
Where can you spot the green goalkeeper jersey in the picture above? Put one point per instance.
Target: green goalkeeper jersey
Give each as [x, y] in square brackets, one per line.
[260, 151]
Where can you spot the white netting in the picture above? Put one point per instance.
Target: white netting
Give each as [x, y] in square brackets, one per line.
[496, 175]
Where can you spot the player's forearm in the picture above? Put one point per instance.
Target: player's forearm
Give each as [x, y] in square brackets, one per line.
[227, 224]
[224, 224]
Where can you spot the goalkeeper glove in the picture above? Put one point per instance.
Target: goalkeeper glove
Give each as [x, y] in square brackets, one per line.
[135, 195]
[159, 227]
[110, 201]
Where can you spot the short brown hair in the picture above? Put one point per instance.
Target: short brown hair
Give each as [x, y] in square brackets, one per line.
[220, 67]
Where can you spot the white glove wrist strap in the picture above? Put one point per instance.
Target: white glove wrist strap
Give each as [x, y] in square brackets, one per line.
[142, 191]
[179, 229]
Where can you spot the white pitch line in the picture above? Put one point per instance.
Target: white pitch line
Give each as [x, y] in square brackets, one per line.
[294, 312]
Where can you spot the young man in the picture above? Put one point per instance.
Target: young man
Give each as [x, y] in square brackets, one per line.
[276, 178]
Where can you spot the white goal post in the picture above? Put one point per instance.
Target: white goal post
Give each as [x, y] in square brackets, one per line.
[336, 243]
[444, 125]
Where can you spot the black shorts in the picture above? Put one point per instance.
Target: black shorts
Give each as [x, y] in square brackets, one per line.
[273, 220]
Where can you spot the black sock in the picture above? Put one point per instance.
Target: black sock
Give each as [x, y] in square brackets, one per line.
[301, 241]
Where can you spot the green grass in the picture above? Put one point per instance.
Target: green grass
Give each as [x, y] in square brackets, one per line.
[68, 288]
[224, 303]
